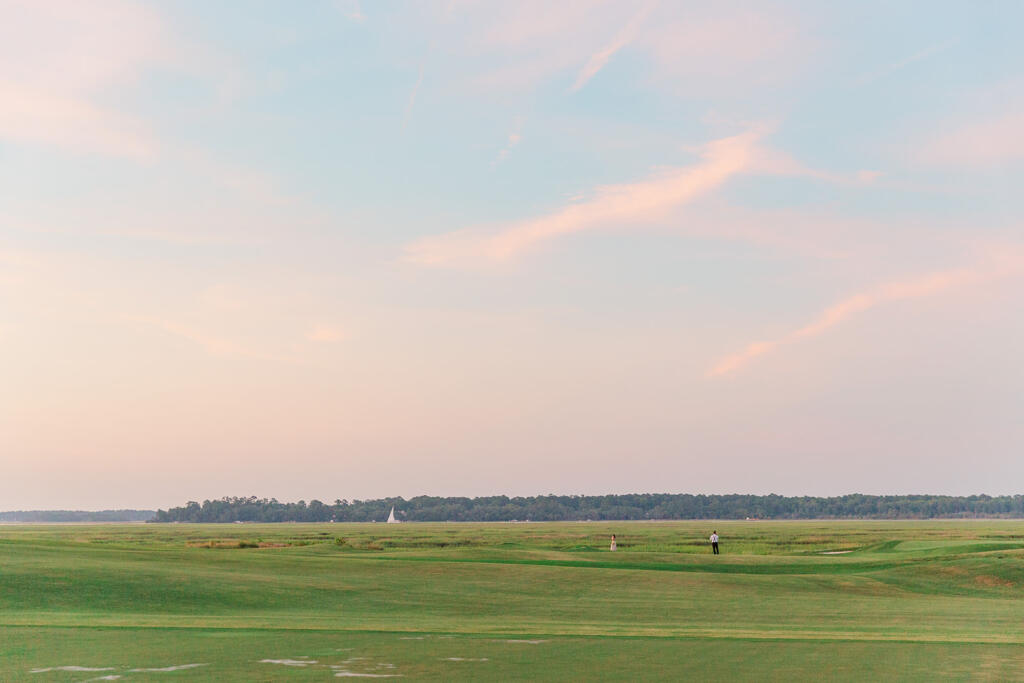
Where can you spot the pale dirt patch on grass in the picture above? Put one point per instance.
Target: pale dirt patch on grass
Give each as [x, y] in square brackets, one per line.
[355, 674]
[370, 669]
[179, 667]
[72, 668]
[465, 659]
[954, 571]
[990, 581]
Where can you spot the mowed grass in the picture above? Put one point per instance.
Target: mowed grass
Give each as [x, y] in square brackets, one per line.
[909, 601]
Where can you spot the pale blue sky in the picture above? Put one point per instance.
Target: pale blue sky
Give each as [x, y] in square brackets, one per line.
[344, 249]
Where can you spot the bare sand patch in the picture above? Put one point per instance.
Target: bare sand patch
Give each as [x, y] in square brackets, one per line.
[990, 581]
[72, 668]
[465, 659]
[369, 669]
[179, 667]
[354, 674]
[289, 662]
[836, 552]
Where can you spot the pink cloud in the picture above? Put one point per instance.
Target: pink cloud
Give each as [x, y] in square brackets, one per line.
[776, 162]
[212, 344]
[325, 334]
[647, 201]
[990, 141]
[711, 49]
[516, 46]
[642, 201]
[514, 138]
[38, 116]
[351, 9]
[58, 58]
[931, 284]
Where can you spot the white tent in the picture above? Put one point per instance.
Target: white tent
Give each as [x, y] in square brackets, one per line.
[391, 517]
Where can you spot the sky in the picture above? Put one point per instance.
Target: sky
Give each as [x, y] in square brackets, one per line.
[353, 249]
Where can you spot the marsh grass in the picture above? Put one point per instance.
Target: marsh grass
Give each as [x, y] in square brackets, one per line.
[911, 601]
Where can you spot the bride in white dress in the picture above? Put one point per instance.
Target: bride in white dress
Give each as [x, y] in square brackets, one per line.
[613, 543]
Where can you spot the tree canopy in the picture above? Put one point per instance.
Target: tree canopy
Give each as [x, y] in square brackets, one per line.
[634, 506]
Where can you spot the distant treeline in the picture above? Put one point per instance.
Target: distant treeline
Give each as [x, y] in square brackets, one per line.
[46, 516]
[640, 506]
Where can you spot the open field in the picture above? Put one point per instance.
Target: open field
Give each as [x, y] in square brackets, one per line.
[910, 601]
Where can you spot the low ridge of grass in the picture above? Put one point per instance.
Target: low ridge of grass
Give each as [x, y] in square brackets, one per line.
[913, 598]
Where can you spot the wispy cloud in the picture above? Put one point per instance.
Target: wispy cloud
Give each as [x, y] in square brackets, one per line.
[983, 142]
[212, 344]
[34, 116]
[509, 47]
[711, 49]
[514, 138]
[770, 161]
[916, 57]
[351, 9]
[931, 284]
[56, 57]
[624, 37]
[412, 97]
[620, 205]
[325, 334]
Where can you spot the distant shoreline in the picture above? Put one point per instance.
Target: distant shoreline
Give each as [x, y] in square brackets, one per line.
[649, 507]
[123, 516]
[849, 520]
[71, 523]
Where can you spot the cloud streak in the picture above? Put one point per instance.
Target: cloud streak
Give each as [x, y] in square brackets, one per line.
[513, 47]
[326, 334]
[624, 37]
[33, 116]
[412, 97]
[931, 284]
[214, 345]
[916, 57]
[613, 205]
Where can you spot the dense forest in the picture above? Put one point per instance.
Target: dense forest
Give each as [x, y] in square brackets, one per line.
[612, 507]
[51, 516]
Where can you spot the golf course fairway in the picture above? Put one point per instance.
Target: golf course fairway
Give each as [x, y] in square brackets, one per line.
[818, 600]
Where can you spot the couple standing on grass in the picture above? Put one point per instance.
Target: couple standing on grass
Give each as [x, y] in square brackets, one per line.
[714, 543]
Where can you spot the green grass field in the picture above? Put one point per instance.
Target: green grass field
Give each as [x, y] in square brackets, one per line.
[909, 601]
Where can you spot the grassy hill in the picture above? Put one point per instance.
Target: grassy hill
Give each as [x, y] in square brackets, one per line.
[906, 600]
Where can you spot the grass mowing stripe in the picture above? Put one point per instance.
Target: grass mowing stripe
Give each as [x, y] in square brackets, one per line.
[914, 601]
